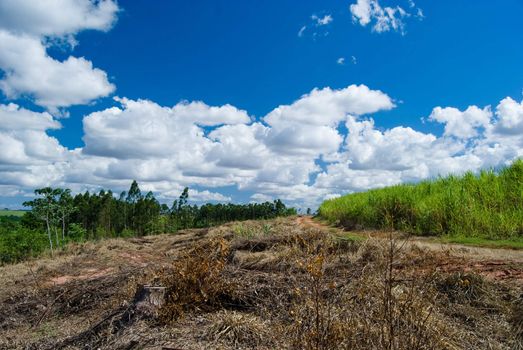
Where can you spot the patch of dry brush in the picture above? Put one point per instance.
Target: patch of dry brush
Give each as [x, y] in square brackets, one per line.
[277, 285]
[306, 289]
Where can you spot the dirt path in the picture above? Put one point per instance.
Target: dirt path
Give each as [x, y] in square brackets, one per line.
[430, 243]
[494, 263]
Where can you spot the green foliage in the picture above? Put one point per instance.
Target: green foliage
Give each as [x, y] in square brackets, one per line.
[126, 233]
[18, 243]
[86, 216]
[488, 205]
[77, 233]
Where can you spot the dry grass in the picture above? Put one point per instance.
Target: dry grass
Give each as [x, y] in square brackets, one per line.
[237, 330]
[261, 285]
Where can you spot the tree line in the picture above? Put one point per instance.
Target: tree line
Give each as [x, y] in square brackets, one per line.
[56, 217]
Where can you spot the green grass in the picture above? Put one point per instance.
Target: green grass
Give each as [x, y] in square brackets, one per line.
[347, 236]
[487, 207]
[482, 242]
[17, 213]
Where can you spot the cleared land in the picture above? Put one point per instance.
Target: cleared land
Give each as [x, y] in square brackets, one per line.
[283, 283]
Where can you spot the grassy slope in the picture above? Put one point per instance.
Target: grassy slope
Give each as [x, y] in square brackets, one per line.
[466, 209]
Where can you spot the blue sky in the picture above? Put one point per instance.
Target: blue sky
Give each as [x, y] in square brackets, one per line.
[436, 89]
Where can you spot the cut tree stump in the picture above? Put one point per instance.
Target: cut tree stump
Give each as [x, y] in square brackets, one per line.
[149, 299]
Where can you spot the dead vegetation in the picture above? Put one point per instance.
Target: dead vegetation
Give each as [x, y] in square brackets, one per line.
[259, 285]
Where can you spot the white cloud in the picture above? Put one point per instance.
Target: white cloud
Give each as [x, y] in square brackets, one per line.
[13, 117]
[156, 144]
[384, 18]
[194, 195]
[56, 17]
[510, 117]
[142, 129]
[297, 152]
[329, 107]
[201, 114]
[23, 138]
[503, 137]
[260, 197]
[29, 70]
[27, 28]
[30, 158]
[239, 146]
[309, 126]
[302, 31]
[322, 21]
[318, 26]
[395, 149]
[362, 11]
[460, 124]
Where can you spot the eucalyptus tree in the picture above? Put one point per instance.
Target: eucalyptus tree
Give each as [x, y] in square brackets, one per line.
[45, 208]
[65, 208]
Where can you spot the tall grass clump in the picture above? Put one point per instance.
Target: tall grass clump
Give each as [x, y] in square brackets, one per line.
[486, 205]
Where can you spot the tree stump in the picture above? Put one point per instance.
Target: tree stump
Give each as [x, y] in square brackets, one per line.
[148, 299]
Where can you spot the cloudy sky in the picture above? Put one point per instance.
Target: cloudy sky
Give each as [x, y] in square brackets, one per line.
[255, 100]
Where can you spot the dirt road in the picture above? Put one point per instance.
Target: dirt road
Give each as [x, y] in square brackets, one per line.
[496, 263]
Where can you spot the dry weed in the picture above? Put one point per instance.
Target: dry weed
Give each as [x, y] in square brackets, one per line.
[239, 329]
[196, 282]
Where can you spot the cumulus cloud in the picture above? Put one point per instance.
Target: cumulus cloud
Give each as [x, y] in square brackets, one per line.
[239, 146]
[30, 71]
[510, 117]
[29, 155]
[503, 137]
[310, 124]
[23, 138]
[56, 17]
[329, 107]
[13, 117]
[28, 28]
[383, 19]
[320, 146]
[142, 140]
[462, 124]
[143, 129]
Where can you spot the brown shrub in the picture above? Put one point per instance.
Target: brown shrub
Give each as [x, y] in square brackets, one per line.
[196, 282]
[461, 287]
